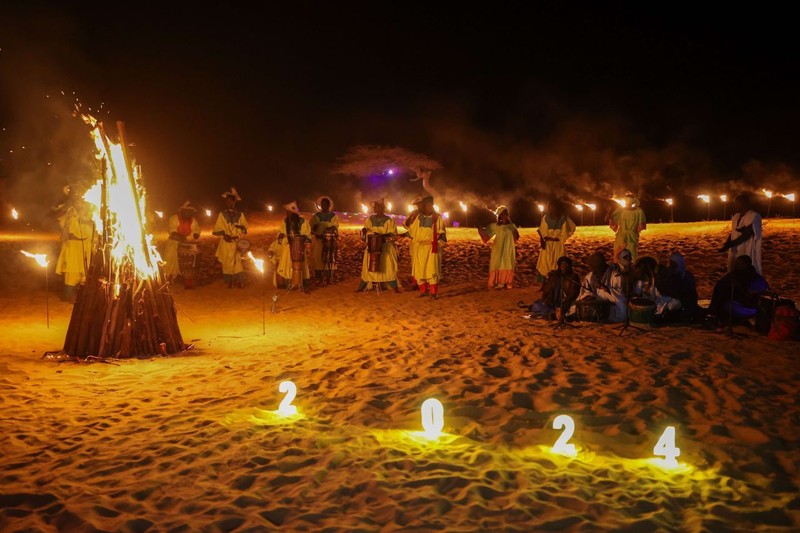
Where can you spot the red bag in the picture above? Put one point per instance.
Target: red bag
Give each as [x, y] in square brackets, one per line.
[785, 324]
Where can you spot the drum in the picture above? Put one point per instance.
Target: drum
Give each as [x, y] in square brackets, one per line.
[329, 247]
[374, 249]
[765, 313]
[591, 310]
[297, 251]
[243, 245]
[642, 310]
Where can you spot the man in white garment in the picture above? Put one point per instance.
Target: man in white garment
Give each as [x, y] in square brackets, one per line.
[745, 237]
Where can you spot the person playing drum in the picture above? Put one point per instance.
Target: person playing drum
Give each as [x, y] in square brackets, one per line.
[325, 228]
[429, 235]
[182, 226]
[230, 225]
[292, 235]
[382, 266]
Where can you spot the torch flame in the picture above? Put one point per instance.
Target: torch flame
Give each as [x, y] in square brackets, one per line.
[767, 193]
[463, 206]
[364, 209]
[410, 208]
[389, 206]
[540, 207]
[127, 239]
[789, 197]
[446, 215]
[436, 208]
[669, 201]
[14, 214]
[39, 258]
[706, 198]
[723, 197]
[579, 207]
[208, 212]
[259, 263]
[592, 206]
[269, 208]
[160, 214]
[620, 201]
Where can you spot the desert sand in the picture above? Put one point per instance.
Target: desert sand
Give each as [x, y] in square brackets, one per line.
[191, 442]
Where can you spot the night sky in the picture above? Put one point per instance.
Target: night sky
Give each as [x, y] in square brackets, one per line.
[516, 100]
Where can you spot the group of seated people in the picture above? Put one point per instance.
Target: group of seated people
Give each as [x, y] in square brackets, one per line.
[607, 292]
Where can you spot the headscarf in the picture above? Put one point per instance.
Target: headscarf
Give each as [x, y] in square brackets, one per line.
[624, 263]
[680, 263]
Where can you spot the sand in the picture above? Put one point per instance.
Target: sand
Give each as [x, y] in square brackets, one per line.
[191, 442]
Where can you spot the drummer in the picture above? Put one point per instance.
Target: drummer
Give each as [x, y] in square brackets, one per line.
[292, 225]
[324, 220]
[230, 225]
[381, 224]
[604, 283]
[428, 233]
[182, 226]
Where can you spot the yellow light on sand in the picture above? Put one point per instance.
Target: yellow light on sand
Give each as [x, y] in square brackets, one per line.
[160, 214]
[208, 212]
[579, 207]
[364, 209]
[767, 193]
[669, 201]
[436, 208]
[665, 447]
[14, 214]
[286, 408]
[723, 197]
[259, 263]
[41, 259]
[540, 207]
[621, 201]
[562, 447]
[410, 208]
[432, 412]
[592, 206]
[706, 198]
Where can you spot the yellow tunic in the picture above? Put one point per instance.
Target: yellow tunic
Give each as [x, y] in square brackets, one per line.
[77, 238]
[412, 248]
[504, 252]
[227, 252]
[171, 268]
[323, 221]
[388, 262]
[561, 229]
[273, 256]
[628, 223]
[285, 261]
[427, 266]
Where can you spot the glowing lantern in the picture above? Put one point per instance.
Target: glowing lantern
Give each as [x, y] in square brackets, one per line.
[14, 214]
[41, 260]
[432, 418]
[561, 446]
[669, 201]
[665, 447]
[286, 408]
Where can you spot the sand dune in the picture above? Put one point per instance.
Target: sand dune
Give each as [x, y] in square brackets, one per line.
[191, 443]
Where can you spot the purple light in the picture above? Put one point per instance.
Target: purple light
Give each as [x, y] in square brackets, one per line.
[390, 171]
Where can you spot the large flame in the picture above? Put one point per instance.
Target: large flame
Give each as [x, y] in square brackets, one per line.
[259, 263]
[706, 198]
[127, 239]
[789, 197]
[39, 258]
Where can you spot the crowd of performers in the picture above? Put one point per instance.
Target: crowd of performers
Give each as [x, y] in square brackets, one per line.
[606, 293]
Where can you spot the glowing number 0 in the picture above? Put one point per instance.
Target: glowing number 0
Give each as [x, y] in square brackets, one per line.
[561, 446]
[286, 408]
[666, 447]
[432, 417]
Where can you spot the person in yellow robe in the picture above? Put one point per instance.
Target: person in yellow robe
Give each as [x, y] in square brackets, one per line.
[182, 227]
[556, 227]
[321, 222]
[273, 257]
[627, 222]
[429, 235]
[382, 224]
[231, 226]
[293, 225]
[78, 236]
[503, 260]
[412, 246]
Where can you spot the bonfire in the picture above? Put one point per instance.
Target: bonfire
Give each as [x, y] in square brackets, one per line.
[125, 308]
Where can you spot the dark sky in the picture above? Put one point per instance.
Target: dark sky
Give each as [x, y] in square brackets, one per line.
[520, 98]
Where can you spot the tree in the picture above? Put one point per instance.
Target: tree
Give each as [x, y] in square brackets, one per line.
[369, 160]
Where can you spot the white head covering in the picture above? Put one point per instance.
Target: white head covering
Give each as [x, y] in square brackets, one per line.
[500, 209]
[233, 193]
[318, 203]
[292, 206]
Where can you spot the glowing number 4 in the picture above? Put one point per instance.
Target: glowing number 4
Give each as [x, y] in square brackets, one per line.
[286, 408]
[666, 447]
[432, 417]
[561, 446]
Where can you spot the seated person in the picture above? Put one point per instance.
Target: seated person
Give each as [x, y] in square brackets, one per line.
[604, 283]
[645, 273]
[678, 283]
[559, 291]
[744, 285]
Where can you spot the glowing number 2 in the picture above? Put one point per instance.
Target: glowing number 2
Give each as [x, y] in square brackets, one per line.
[286, 408]
[666, 447]
[432, 417]
[561, 446]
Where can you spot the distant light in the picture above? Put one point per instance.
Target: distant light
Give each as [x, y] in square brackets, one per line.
[463, 206]
[723, 197]
[160, 214]
[269, 208]
[389, 206]
[208, 212]
[540, 207]
[432, 418]
[410, 208]
[669, 201]
[390, 171]
[446, 215]
[621, 201]
[14, 214]
[579, 207]
[767, 193]
[41, 259]
[592, 206]
[789, 197]
[436, 208]
[706, 198]
[364, 209]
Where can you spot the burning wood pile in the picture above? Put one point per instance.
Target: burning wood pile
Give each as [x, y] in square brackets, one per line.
[125, 308]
